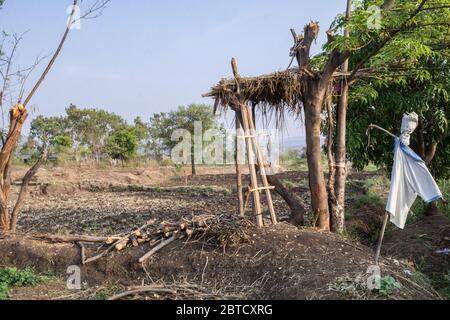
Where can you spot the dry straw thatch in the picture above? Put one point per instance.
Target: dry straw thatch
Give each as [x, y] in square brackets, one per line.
[279, 91]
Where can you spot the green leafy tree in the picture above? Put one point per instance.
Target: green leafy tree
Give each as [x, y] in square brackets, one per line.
[122, 144]
[164, 125]
[47, 129]
[50, 132]
[141, 131]
[383, 43]
[92, 127]
[385, 103]
[155, 146]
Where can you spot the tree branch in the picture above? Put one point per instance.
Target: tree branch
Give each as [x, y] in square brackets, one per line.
[24, 188]
[302, 44]
[55, 55]
[390, 36]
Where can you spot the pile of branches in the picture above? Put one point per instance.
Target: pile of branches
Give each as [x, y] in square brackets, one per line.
[222, 230]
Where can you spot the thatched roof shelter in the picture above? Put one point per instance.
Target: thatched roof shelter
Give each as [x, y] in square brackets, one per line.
[279, 91]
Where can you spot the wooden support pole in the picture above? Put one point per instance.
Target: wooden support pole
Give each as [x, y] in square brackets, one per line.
[252, 167]
[380, 241]
[262, 168]
[241, 208]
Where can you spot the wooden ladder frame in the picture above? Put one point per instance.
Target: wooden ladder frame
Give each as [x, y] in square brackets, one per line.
[255, 157]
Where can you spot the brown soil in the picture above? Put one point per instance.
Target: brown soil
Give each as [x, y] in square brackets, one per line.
[280, 262]
[420, 242]
[306, 263]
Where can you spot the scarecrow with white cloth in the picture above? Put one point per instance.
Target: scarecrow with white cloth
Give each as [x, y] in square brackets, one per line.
[410, 178]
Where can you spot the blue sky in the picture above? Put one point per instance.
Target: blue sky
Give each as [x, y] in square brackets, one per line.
[143, 57]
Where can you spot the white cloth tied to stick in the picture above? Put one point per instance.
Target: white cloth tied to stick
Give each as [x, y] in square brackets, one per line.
[410, 176]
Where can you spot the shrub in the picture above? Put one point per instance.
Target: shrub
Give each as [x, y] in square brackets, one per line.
[388, 286]
[11, 277]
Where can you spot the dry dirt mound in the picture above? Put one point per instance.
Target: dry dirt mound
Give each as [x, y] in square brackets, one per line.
[425, 245]
[280, 262]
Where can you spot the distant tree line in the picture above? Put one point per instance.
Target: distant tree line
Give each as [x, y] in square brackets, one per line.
[93, 134]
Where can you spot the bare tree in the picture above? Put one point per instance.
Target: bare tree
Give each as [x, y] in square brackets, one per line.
[18, 115]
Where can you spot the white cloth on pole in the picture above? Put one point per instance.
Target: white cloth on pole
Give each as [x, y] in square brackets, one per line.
[410, 178]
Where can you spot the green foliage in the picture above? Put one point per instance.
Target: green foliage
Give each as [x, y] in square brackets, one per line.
[48, 129]
[11, 277]
[428, 98]
[94, 133]
[163, 125]
[444, 185]
[294, 159]
[370, 199]
[441, 282]
[409, 73]
[122, 145]
[63, 141]
[438, 280]
[404, 39]
[388, 286]
[92, 127]
[419, 208]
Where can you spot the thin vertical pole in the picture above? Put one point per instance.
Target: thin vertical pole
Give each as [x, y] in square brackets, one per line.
[380, 241]
[238, 168]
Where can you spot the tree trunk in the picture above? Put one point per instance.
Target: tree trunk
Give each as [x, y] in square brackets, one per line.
[331, 166]
[319, 197]
[4, 216]
[338, 211]
[194, 169]
[24, 189]
[341, 161]
[18, 115]
[297, 208]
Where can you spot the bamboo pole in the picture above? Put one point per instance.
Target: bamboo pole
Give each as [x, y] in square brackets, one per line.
[238, 169]
[262, 168]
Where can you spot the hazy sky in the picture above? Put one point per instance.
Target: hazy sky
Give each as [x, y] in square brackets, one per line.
[146, 56]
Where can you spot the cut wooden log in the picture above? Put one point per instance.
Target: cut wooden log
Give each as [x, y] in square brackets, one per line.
[122, 244]
[163, 244]
[72, 238]
[83, 252]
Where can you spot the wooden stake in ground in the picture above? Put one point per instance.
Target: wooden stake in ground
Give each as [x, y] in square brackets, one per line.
[386, 218]
[380, 241]
[238, 169]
